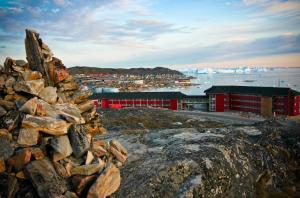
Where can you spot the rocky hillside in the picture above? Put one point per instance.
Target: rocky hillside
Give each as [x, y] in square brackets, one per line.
[196, 157]
[132, 71]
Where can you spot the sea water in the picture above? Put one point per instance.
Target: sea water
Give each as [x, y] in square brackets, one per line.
[275, 77]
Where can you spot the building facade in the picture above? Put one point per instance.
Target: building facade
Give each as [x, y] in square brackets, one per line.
[266, 101]
[167, 100]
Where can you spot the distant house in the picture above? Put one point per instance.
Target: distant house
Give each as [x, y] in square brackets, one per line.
[262, 100]
[183, 81]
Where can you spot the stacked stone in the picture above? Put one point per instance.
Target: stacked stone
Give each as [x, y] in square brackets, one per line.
[47, 128]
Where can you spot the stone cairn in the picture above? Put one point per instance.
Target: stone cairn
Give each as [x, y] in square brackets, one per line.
[47, 128]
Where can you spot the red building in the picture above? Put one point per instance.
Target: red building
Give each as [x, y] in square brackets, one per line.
[263, 100]
[169, 100]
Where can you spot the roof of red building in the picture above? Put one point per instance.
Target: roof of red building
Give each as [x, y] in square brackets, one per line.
[263, 91]
[139, 95]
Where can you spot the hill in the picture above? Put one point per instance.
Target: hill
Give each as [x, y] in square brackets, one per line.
[131, 71]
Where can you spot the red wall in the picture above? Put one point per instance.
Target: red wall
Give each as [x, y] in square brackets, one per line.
[219, 102]
[96, 103]
[295, 106]
[173, 104]
[105, 103]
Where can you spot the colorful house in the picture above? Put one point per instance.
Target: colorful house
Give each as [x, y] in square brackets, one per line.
[266, 101]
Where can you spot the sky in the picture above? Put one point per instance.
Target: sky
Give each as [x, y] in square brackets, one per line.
[151, 33]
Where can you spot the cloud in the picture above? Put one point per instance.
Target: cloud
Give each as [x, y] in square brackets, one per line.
[279, 7]
[279, 45]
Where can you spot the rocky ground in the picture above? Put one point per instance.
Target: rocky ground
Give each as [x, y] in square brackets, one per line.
[176, 156]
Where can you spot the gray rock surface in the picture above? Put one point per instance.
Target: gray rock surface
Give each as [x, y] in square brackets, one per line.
[78, 139]
[45, 179]
[246, 161]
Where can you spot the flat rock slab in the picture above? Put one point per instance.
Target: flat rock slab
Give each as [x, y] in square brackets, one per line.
[6, 150]
[70, 112]
[28, 137]
[49, 94]
[33, 87]
[79, 140]
[62, 146]
[106, 184]
[46, 181]
[48, 125]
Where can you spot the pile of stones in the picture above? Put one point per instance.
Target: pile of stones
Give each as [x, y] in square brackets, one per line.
[47, 131]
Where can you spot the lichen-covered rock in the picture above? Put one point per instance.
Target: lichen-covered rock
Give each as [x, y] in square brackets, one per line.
[61, 146]
[10, 120]
[88, 169]
[28, 137]
[231, 161]
[106, 184]
[45, 179]
[79, 140]
[48, 125]
[8, 105]
[49, 94]
[6, 149]
[30, 106]
[69, 112]
[33, 87]
[20, 159]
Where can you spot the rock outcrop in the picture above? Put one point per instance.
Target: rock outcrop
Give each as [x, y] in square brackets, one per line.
[47, 128]
[205, 158]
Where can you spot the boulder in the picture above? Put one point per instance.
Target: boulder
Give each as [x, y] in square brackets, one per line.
[70, 113]
[8, 105]
[117, 145]
[21, 63]
[81, 96]
[37, 153]
[33, 87]
[12, 186]
[46, 181]
[20, 159]
[10, 120]
[49, 94]
[88, 169]
[31, 75]
[106, 184]
[20, 100]
[61, 146]
[47, 125]
[2, 111]
[119, 156]
[86, 106]
[68, 86]
[9, 84]
[81, 183]
[2, 165]
[6, 149]
[45, 109]
[28, 137]
[79, 140]
[61, 170]
[30, 106]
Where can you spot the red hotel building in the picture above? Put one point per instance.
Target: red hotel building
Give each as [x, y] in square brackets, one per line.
[169, 100]
[262, 100]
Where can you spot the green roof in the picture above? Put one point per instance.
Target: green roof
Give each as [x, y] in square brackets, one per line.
[263, 91]
[139, 95]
